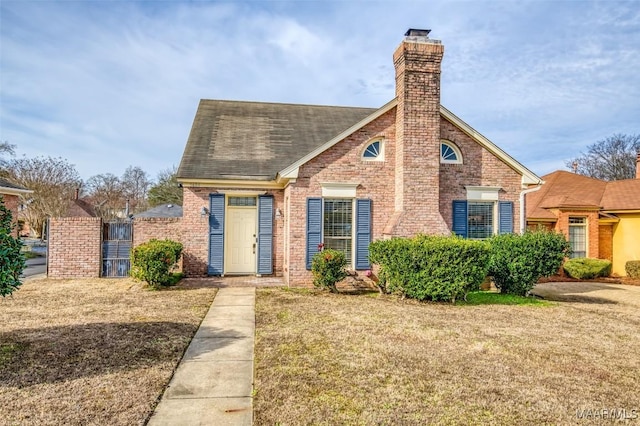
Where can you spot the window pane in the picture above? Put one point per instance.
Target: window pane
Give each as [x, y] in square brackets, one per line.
[480, 220]
[578, 236]
[372, 150]
[242, 201]
[338, 219]
[447, 153]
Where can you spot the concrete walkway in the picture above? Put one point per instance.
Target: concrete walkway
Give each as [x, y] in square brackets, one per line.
[214, 381]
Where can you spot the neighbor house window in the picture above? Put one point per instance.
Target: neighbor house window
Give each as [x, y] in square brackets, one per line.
[374, 151]
[578, 236]
[480, 219]
[338, 226]
[449, 153]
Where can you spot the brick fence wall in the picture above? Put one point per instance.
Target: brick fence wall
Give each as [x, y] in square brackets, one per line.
[160, 228]
[75, 243]
[74, 247]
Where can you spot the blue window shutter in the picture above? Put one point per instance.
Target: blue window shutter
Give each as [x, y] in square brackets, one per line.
[460, 218]
[363, 233]
[314, 227]
[216, 234]
[265, 234]
[505, 210]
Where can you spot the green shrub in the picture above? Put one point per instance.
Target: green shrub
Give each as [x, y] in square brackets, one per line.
[12, 262]
[152, 262]
[395, 258]
[430, 267]
[328, 267]
[585, 269]
[517, 262]
[632, 268]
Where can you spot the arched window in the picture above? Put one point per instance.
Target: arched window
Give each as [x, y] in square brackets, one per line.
[374, 151]
[449, 153]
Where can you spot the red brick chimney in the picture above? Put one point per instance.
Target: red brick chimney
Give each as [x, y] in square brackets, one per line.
[417, 185]
[638, 166]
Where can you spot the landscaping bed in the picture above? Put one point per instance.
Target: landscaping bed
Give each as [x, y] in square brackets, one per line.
[92, 351]
[371, 359]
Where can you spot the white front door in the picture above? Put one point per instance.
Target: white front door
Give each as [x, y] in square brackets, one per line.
[240, 246]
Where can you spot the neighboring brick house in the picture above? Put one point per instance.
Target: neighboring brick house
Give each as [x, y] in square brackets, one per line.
[10, 193]
[80, 208]
[265, 184]
[77, 208]
[600, 219]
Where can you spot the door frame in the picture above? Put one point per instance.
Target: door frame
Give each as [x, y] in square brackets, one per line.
[227, 213]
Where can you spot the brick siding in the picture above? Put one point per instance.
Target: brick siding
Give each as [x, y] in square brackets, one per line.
[605, 241]
[479, 168]
[11, 202]
[593, 237]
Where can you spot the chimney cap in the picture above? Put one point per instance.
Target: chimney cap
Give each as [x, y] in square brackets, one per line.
[414, 32]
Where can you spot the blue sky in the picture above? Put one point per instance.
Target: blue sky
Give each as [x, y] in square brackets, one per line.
[107, 84]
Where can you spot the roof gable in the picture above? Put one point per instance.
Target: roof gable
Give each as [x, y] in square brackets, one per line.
[235, 140]
[80, 208]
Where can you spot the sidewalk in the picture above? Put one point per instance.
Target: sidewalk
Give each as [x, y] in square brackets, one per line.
[214, 381]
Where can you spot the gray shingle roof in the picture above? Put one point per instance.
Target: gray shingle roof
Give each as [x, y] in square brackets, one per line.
[6, 184]
[163, 210]
[255, 140]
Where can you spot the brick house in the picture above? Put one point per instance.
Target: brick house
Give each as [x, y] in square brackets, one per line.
[600, 219]
[10, 193]
[265, 184]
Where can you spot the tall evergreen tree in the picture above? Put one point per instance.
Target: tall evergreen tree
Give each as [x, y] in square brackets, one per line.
[12, 261]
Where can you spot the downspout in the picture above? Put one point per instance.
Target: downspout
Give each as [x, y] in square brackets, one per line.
[523, 207]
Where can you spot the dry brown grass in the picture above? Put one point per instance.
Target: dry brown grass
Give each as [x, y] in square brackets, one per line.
[97, 351]
[366, 359]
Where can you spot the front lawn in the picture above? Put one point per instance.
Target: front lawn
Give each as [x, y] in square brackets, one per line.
[92, 351]
[355, 359]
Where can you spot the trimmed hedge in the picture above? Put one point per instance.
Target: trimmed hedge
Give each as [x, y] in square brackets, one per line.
[430, 267]
[517, 262]
[585, 269]
[152, 262]
[632, 268]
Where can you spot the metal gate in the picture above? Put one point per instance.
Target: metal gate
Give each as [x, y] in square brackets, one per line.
[116, 248]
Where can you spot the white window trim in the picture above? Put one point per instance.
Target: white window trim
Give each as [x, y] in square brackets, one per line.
[339, 189]
[586, 231]
[486, 194]
[455, 149]
[483, 193]
[380, 156]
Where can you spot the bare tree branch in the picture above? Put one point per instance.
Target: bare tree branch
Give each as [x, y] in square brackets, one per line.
[613, 158]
